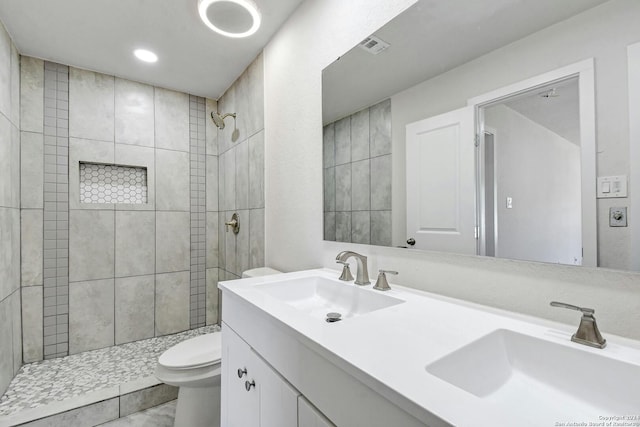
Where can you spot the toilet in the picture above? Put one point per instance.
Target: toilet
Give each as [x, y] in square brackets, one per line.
[194, 366]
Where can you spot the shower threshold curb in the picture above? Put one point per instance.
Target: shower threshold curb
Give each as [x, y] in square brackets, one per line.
[81, 401]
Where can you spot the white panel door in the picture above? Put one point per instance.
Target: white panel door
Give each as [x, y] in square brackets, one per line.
[441, 182]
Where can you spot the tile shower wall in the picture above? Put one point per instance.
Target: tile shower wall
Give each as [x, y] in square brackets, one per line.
[56, 210]
[10, 309]
[135, 270]
[197, 146]
[241, 177]
[357, 177]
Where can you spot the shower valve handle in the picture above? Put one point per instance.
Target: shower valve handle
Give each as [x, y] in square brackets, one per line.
[234, 224]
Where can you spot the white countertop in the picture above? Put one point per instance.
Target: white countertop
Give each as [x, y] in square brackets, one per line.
[392, 346]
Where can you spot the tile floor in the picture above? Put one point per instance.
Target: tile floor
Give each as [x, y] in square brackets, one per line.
[64, 378]
[159, 416]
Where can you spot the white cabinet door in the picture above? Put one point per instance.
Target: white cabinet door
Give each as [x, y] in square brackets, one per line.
[253, 394]
[278, 399]
[309, 416]
[241, 403]
[441, 182]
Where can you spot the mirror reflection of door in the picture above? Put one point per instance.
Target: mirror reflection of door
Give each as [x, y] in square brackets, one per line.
[531, 166]
[441, 182]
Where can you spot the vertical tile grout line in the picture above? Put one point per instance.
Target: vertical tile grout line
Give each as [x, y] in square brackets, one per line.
[115, 214]
[155, 214]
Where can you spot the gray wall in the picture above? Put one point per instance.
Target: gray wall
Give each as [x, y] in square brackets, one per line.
[540, 171]
[241, 174]
[10, 312]
[110, 273]
[357, 177]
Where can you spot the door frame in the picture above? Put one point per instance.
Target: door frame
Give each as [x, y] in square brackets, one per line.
[584, 70]
[481, 188]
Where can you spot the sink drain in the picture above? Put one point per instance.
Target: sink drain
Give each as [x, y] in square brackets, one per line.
[333, 317]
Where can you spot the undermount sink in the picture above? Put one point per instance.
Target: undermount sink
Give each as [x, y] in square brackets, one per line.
[317, 296]
[542, 380]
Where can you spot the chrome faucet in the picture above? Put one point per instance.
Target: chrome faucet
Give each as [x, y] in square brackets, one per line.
[362, 274]
[587, 333]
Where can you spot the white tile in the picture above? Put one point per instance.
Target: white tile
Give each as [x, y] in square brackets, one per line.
[9, 251]
[242, 175]
[212, 296]
[91, 315]
[213, 254]
[16, 322]
[172, 241]
[15, 86]
[9, 164]
[171, 120]
[134, 305]
[31, 170]
[211, 131]
[31, 94]
[31, 247]
[91, 245]
[256, 171]
[172, 302]
[134, 113]
[5, 72]
[360, 135]
[6, 343]
[212, 183]
[172, 180]
[256, 239]
[32, 323]
[139, 157]
[255, 91]
[91, 105]
[86, 150]
[135, 251]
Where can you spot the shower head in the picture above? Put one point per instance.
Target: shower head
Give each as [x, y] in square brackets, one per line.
[219, 119]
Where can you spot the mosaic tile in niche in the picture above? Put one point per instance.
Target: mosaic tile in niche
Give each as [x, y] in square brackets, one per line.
[101, 183]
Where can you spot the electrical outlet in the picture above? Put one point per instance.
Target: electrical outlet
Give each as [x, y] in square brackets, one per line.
[618, 217]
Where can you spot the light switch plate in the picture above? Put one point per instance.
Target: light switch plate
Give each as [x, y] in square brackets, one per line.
[612, 186]
[618, 217]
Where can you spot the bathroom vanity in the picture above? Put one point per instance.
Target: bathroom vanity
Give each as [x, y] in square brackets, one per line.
[406, 358]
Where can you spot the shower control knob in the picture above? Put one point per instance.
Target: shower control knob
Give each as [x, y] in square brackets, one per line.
[248, 385]
[242, 372]
[411, 241]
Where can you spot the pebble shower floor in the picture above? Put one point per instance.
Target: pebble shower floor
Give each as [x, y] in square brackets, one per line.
[41, 383]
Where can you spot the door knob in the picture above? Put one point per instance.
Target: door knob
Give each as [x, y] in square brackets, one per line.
[248, 385]
[242, 372]
[411, 241]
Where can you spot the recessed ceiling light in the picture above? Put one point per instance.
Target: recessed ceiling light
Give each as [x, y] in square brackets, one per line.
[145, 55]
[231, 18]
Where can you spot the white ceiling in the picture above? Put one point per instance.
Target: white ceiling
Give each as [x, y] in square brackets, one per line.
[100, 35]
[429, 38]
[559, 113]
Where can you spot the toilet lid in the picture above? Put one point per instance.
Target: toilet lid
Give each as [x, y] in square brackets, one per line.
[199, 351]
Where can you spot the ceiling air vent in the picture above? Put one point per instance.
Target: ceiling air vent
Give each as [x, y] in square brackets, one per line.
[373, 45]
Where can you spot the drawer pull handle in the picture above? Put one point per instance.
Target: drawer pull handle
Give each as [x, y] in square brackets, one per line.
[242, 372]
[248, 385]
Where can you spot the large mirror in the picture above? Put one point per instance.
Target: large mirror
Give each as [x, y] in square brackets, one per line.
[528, 188]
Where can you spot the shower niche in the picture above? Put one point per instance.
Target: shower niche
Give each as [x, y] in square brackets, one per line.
[109, 183]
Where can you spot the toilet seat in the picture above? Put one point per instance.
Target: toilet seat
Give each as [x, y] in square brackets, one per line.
[198, 352]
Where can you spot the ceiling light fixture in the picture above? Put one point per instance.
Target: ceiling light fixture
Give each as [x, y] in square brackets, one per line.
[145, 55]
[229, 17]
